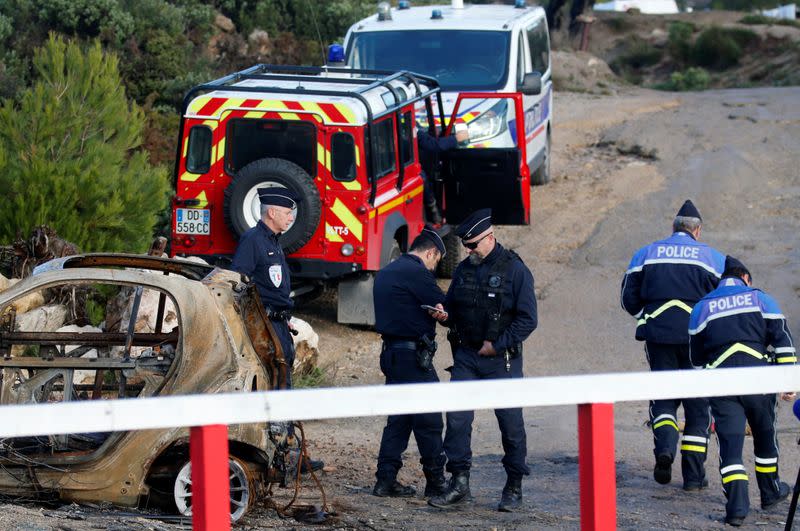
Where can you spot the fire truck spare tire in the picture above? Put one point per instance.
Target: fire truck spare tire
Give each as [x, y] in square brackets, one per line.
[447, 265]
[242, 207]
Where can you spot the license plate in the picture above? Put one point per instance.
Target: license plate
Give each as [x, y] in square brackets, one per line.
[192, 221]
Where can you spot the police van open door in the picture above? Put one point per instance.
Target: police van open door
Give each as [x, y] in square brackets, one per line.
[482, 174]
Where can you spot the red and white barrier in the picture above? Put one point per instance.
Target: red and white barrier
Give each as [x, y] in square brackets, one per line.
[208, 416]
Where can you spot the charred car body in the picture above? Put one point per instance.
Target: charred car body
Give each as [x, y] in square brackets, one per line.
[221, 343]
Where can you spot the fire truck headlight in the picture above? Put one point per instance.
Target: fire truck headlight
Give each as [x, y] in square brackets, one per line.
[347, 249]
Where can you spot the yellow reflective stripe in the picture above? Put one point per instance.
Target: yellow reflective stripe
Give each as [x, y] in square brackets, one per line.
[733, 349]
[786, 359]
[197, 104]
[734, 477]
[331, 235]
[345, 111]
[693, 448]
[766, 469]
[350, 221]
[666, 423]
[663, 308]
[353, 186]
[189, 177]
[203, 200]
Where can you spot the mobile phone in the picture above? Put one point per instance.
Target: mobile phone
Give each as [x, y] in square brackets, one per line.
[431, 308]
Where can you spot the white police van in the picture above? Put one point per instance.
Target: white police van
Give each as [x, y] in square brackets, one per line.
[473, 51]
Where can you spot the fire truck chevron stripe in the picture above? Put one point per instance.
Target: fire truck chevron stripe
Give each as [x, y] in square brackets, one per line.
[331, 235]
[348, 218]
[220, 147]
[189, 177]
[203, 199]
[319, 114]
[353, 186]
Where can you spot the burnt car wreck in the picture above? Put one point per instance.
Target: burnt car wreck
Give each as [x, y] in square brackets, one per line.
[210, 334]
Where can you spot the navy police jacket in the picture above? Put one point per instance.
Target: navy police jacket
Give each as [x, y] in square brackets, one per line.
[399, 291]
[736, 325]
[260, 257]
[521, 303]
[664, 281]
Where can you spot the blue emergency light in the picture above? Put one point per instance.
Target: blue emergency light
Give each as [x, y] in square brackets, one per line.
[519, 4]
[436, 14]
[403, 4]
[335, 53]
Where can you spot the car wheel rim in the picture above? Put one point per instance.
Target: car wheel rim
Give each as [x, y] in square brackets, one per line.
[239, 490]
[251, 206]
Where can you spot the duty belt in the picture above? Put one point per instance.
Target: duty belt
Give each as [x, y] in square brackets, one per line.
[283, 315]
[400, 343]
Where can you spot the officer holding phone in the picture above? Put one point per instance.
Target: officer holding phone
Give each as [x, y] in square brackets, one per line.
[401, 290]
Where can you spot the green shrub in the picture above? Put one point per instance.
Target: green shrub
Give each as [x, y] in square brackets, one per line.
[70, 155]
[721, 48]
[640, 54]
[619, 24]
[691, 79]
[680, 41]
[768, 21]
[87, 18]
[316, 378]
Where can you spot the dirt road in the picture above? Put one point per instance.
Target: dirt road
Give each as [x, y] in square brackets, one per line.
[735, 154]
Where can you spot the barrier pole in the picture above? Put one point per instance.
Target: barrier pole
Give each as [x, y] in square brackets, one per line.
[596, 468]
[208, 450]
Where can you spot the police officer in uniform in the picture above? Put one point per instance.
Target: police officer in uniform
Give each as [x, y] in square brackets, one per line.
[492, 310]
[739, 326]
[429, 148]
[259, 256]
[408, 332]
[663, 281]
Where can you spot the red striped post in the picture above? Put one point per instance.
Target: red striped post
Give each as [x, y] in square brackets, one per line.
[208, 450]
[598, 483]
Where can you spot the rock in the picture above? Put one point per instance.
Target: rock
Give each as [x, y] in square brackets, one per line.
[658, 38]
[224, 23]
[81, 377]
[41, 319]
[118, 315]
[3, 283]
[305, 346]
[28, 302]
[258, 43]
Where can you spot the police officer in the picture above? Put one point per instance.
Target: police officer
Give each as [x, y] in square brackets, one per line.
[408, 332]
[663, 281]
[259, 256]
[429, 148]
[734, 326]
[492, 311]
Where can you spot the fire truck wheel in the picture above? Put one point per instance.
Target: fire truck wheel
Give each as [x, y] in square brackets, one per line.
[542, 173]
[447, 265]
[243, 209]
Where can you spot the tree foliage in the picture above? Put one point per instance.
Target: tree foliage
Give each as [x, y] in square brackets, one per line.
[69, 154]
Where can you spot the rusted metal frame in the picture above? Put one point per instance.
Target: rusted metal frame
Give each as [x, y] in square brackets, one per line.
[67, 363]
[96, 339]
[137, 299]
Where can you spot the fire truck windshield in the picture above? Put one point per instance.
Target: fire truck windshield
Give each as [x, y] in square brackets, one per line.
[459, 59]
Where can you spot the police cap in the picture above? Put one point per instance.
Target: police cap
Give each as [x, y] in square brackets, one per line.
[476, 223]
[429, 234]
[688, 210]
[734, 268]
[278, 196]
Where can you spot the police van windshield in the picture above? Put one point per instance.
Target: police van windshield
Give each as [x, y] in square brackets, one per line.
[458, 59]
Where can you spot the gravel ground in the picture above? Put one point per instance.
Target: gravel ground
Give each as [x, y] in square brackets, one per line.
[622, 165]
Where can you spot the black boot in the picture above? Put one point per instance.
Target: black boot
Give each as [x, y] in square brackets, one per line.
[511, 499]
[385, 488]
[662, 472]
[783, 492]
[435, 484]
[457, 492]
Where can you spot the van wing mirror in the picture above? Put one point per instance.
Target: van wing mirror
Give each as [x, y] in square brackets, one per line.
[531, 84]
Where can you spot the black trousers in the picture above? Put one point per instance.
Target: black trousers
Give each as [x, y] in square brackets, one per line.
[664, 420]
[468, 365]
[730, 415]
[399, 365]
[287, 344]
